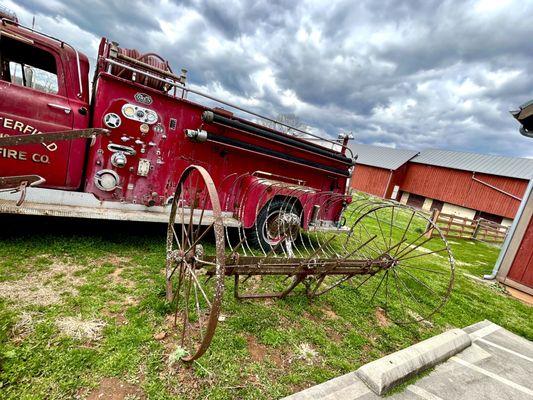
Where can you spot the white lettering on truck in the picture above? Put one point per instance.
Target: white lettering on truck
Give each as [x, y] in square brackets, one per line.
[24, 129]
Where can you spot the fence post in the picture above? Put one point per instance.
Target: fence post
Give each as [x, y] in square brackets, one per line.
[476, 229]
[434, 217]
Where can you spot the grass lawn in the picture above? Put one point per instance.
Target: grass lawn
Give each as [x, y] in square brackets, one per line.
[82, 310]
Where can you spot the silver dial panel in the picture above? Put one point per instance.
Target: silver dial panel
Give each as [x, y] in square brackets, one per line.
[139, 114]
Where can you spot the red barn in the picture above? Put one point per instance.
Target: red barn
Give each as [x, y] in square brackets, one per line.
[515, 265]
[470, 185]
[379, 169]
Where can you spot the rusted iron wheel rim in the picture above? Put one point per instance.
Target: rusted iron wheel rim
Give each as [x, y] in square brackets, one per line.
[194, 284]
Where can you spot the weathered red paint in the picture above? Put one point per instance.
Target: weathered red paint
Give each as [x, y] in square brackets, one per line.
[168, 150]
[458, 187]
[377, 181]
[522, 267]
[370, 179]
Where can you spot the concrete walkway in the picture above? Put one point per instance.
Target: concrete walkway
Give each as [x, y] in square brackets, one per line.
[498, 365]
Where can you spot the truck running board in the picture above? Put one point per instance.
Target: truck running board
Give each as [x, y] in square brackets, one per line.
[60, 203]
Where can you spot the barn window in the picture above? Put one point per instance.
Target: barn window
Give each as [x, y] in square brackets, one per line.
[29, 66]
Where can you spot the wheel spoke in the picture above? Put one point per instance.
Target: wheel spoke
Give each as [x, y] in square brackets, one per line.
[403, 253]
[400, 297]
[424, 254]
[406, 289]
[419, 281]
[433, 271]
[375, 214]
[185, 311]
[405, 232]
[199, 314]
[193, 275]
[198, 240]
[377, 288]
[175, 235]
[363, 282]
[391, 225]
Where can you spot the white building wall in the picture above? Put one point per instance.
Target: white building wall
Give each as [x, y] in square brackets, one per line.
[463, 212]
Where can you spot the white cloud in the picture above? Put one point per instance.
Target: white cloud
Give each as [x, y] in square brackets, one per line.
[407, 74]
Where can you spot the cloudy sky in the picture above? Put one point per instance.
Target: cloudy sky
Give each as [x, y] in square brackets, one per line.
[413, 74]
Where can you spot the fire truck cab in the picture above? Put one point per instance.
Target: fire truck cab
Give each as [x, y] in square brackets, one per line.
[43, 88]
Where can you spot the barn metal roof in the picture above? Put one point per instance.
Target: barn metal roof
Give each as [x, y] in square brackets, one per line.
[381, 157]
[513, 167]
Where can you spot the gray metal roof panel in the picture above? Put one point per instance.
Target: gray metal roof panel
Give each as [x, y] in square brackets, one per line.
[521, 168]
[381, 157]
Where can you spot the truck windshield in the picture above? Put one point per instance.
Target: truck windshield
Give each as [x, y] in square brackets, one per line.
[28, 66]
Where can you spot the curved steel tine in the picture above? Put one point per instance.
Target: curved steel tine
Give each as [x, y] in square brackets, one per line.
[319, 236]
[226, 201]
[280, 229]
[305, 206]
[266, 190]
[313, 235]
[242, 212]
[289, 204]
[226, 205]
[277, 190]
[289, 208]
[331, 200]
[236, 186]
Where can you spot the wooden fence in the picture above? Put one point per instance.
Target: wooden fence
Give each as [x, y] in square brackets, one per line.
[453, 226]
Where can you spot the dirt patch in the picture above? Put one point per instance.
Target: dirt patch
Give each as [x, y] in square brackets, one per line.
[112, 259]
[115, 389]
[188, 380]
[117, 278]
[118, 262]
[312, 317]
[329, 313]
[334, 335]
[43, 288]
[257, 351]
[277, 358]
[381, 317]
[115, 275]
[80, 329]
[24, 326]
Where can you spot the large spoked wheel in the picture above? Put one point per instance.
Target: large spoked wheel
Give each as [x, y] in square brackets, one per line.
[194, 282]
[410, 269]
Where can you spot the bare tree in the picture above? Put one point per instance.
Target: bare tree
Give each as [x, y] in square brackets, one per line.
[287, 119]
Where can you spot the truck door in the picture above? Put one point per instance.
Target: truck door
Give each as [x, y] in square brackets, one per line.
[33, 99]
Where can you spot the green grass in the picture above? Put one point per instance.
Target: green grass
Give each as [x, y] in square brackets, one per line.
[263, 349]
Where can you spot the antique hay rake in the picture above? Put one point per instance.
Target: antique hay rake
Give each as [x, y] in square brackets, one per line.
[400, 247]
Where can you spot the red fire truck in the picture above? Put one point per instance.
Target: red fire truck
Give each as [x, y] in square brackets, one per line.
[152, 133]
[135, 147]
